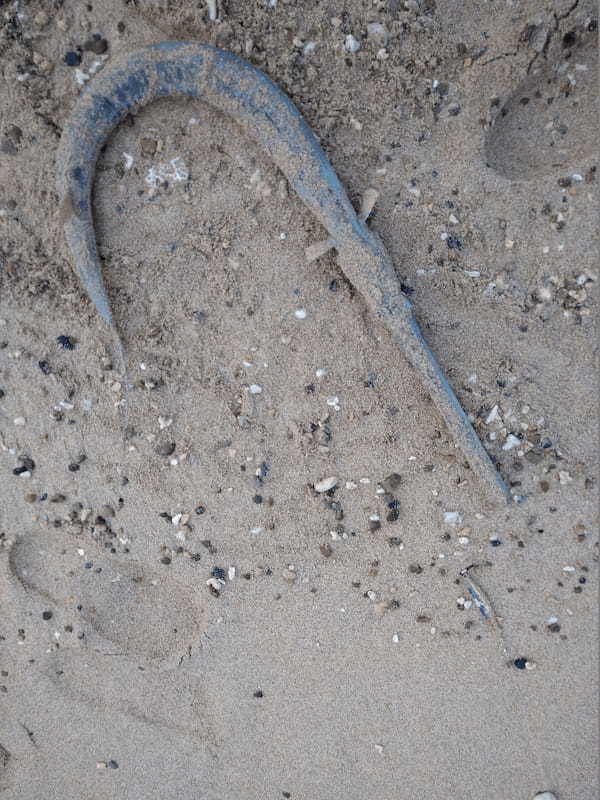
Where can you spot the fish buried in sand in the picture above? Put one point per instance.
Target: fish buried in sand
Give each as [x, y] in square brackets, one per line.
[268, 116]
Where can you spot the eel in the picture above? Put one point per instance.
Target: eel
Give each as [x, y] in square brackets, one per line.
[266, 115]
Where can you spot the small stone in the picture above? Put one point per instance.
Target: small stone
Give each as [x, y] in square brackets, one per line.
[392, 482]
[165, 448]
[326, 484]
[112, 764]
[259, 694]
[45, 367]
[72, 58]
[148, 146]
[47, 615]
[67, 342]
[96, 44]
[351, 44]
[300, 313]
[415, 569]
[326, 550]
[545, 796]
[452, 518]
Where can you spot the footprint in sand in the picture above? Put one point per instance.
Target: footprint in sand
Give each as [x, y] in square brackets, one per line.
[135, 611]
[548, 125]
[172, 698]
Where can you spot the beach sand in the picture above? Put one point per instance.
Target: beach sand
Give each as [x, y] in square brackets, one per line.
[181, 614]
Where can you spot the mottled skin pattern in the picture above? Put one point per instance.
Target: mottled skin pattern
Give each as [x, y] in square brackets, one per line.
[266, 114]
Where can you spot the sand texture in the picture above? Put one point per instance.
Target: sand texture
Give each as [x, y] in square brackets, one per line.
[256, 565]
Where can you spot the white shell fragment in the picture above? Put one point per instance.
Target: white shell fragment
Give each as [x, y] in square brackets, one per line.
[325, 484]
[367, 205]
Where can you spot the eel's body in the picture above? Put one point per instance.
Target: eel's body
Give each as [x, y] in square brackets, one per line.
[267, 115]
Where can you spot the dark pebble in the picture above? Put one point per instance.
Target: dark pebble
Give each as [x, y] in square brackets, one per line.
[19, 470]
[394, 541]
[165, 560]
[259, 693]
[326, 550]
[416, 569]
[46, 615]
[393, 516]
[374, 525]
[165, 448]
[96, 44]
[200, 509]
[392, 482]
[66, 341]
[520, 663]
[112, 764]
[74, 467]
[45, 367]
[454, 243]
[72, 58]
[258, 498]
[218, 572]
[554, 628]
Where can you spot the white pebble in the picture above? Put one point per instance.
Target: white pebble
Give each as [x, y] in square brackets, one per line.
[254, 531]
[511, 441]
[325, 484]
[333, 400]
[19, 420]
[545, 796]
[321, 372]
[351, 44]
[452, 518]
[300, 313]
[231, 573]
[254, 388]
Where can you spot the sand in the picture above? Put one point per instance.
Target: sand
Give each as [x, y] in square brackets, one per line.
[182, 615]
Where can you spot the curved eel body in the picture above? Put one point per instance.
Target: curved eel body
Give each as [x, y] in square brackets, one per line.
[267, 115]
